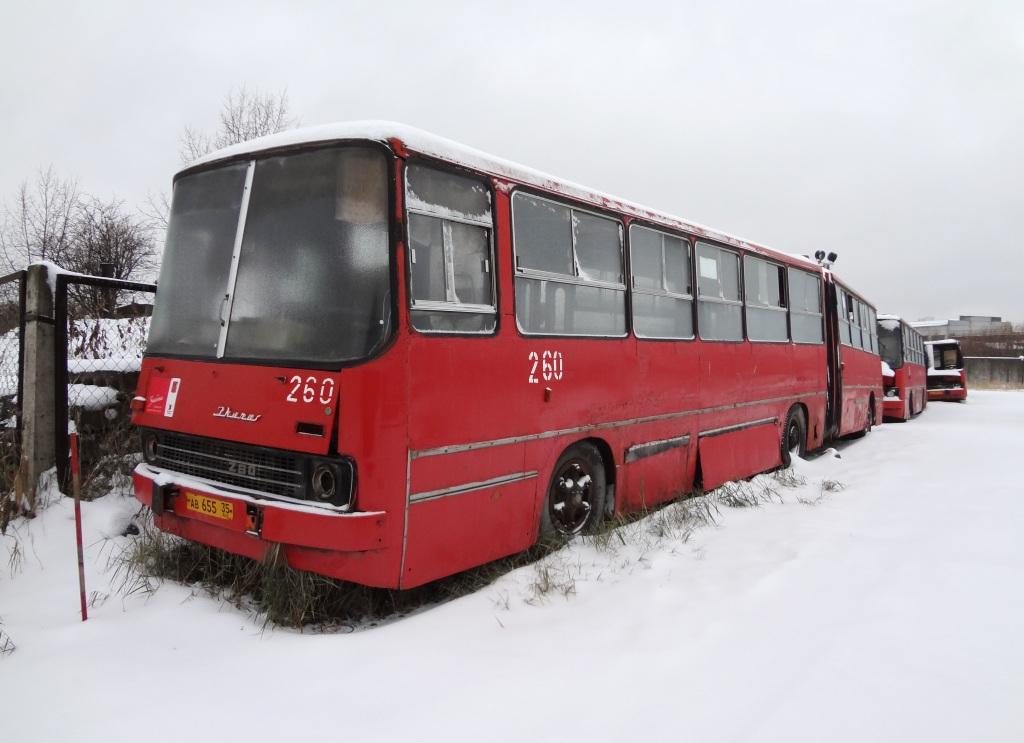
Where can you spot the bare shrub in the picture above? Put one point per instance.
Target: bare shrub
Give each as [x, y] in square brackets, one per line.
[827, 486]
[50, 219]
[40, 223]
[244, 115]
[10, 481]
[552, 578]
[787, 477]
[7, 645]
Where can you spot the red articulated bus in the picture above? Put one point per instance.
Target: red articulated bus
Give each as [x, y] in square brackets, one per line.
[393, 358]
[903, 368]
[947, 379]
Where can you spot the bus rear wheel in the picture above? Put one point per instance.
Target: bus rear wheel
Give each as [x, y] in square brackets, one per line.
[794, 436]
[575, 499]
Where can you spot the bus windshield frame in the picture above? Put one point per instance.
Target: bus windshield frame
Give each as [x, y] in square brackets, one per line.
[890, 339]
[282, 258]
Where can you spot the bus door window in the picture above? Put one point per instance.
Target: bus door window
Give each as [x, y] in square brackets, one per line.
[843, 300]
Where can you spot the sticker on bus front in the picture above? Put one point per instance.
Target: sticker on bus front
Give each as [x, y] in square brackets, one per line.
[172, 397]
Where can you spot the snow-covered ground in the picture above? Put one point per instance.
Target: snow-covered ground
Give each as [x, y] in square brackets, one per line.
[884, 611]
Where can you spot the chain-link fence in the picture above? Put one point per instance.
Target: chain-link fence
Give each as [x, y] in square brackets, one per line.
[12, 339]
[101, 328]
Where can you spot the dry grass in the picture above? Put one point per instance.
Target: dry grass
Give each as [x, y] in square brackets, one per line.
[281, 595]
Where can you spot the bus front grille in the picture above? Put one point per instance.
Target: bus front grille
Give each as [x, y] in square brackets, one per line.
[255, 468]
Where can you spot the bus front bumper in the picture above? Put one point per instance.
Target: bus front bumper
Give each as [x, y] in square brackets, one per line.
[892, 407]
[201, 511]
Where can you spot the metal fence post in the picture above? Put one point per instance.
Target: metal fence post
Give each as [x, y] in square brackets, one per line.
[37, 405]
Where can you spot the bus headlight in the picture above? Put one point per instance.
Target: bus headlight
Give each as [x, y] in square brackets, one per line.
[332, 481]
[892, 392]
[149, 444]
[324, 482]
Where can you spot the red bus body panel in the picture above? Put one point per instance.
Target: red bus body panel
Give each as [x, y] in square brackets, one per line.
[204, 388]
[861, 385]
[912, 394]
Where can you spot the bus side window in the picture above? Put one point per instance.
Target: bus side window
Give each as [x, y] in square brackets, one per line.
[764, 293]
[805, 307]
[662, 296]
[451, 257]
[570, 277]
[719, 306]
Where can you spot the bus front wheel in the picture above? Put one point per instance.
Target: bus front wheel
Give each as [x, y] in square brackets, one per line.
[575, 499]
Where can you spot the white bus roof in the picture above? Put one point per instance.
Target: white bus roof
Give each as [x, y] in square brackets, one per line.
[447, 150]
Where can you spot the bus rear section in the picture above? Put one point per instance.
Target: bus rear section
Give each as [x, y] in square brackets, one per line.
[903, 368]
[947, 379]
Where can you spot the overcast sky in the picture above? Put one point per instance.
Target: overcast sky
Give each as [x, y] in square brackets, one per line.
[891, 133]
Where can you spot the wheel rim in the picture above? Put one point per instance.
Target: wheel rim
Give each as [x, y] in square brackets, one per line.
[571, 501]
[793, 438]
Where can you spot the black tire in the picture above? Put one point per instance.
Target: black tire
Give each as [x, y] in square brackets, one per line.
[794, 436]
[871, 416]
[575, 500]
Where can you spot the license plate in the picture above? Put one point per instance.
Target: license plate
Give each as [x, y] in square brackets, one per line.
[207, 506]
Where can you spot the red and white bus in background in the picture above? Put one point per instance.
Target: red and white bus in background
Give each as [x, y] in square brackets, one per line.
[903, 368]
[395, 358]
[947, 379]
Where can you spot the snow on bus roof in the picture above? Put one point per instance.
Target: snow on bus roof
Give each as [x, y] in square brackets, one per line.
[889, 317]
[456, 153]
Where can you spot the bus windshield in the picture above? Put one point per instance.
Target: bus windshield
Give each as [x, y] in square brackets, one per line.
[312, 281]
[947, 356]
[890, 343]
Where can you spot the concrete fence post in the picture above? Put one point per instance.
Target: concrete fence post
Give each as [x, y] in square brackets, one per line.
[37, 406]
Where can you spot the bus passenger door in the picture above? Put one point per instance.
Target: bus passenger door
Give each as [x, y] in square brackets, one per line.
[834, 405]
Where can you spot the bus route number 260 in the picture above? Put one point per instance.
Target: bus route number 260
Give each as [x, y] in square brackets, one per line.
[550, 363]
[310, 389]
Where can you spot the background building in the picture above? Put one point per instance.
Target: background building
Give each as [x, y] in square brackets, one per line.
[967, 325]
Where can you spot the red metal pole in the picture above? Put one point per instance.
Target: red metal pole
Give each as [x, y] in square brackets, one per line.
[76, 484]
